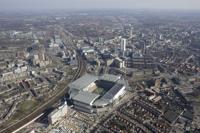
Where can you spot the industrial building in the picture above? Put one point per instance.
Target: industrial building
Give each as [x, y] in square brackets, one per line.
[90, 93]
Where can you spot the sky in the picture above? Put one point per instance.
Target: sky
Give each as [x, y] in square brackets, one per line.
[99, 4]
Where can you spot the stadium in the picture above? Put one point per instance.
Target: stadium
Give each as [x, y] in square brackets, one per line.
[91, 93]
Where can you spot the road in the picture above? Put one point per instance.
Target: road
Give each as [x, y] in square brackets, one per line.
[48, 104]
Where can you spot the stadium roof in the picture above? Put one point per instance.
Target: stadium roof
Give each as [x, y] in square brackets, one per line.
[86, 97]
[87, 79]
[83, 82]
[107, 98]
[112, 92]
[109, 77]
[78, 93]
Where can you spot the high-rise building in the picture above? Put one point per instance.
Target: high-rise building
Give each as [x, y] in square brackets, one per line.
[131, 33]
[101, 40]
[160, 36]
[123, 44]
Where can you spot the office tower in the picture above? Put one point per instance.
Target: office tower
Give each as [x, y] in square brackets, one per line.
[123, 44]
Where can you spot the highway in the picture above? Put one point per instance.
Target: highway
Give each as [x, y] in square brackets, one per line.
[37, 112]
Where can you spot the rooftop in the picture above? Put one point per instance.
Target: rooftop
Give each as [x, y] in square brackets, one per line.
[109, 77]
[83, 82]
[105, 88]
[86, 97]
[87, 79]
[112, 92]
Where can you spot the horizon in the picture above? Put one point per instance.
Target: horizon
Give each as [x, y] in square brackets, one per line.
[142, 10]
[47, 5]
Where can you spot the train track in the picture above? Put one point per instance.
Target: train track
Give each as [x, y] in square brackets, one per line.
[13, 127]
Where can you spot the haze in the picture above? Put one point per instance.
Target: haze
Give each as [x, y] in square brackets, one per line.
[99, 4]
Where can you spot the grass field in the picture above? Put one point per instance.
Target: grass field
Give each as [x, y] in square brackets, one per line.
[100, 91]
[28, 105]
[24, 108]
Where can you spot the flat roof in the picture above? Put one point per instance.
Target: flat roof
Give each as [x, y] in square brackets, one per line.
[83, 82]
[171, 116]
[110, 77]
[86, 97]
[87, 79]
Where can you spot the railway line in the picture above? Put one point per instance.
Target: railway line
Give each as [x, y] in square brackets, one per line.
[37, 112]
